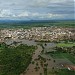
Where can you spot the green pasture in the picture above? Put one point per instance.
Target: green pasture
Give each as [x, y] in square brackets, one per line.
[65, 44]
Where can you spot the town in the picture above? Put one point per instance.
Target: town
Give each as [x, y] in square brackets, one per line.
[38, 34]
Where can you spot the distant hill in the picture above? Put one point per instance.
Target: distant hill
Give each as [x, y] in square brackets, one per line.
[35, 23]
[29, 21]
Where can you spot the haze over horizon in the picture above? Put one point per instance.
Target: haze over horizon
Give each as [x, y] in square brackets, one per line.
[37, 9]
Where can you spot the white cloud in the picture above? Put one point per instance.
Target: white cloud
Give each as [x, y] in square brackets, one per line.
[37, 8]
[35, 14]
[26, 14]
[45, 3]
[39, 15]
[49, 15]
[23, 14]
[5, 13]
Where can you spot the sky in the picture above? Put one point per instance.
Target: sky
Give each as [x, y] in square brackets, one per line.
[37, 9]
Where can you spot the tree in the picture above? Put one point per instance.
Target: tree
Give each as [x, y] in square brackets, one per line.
[14, 61]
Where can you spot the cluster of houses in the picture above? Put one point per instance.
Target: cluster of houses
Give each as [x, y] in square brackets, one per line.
[38, 33]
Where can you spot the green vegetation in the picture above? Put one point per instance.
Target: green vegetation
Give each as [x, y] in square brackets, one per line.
[65, 50]
[65, 72]
[57, 55]
[51, 72]
[30, 24]
[15, 60]
[69, 57]
[65, 44]
[61, 72]
[60, 55]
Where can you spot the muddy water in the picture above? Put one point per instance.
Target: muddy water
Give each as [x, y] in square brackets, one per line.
[28, 42]
[31, 68]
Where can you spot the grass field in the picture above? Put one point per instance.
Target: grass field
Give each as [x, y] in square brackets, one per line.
[63, 56]
[65, 44]
[61, 72]
[65, 72]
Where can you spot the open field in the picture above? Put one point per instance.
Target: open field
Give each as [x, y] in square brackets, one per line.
[61, 72]
[65, 72]
[65, 44]
[59, 55]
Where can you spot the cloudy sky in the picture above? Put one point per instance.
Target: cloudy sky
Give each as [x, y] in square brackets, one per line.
[37, 9]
